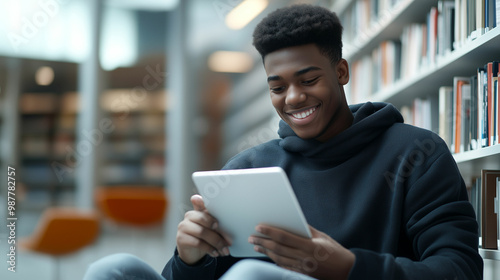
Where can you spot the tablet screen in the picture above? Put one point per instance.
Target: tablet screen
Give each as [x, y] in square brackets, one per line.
[243, 198]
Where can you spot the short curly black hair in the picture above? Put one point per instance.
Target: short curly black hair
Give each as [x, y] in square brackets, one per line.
[300, 25]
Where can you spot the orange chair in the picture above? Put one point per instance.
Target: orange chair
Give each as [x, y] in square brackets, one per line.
[133, 205]
[63, 231]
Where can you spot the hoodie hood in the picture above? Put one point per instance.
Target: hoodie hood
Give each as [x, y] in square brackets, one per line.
[370, 120]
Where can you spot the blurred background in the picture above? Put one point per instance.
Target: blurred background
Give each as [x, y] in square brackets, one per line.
[106, 108]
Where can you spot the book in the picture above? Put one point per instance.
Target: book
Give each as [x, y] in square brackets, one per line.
[497, 208]
[480, 17]
[446, 114]
[473, 113]
[497, 14]
[491, 72]
[489, 219]
[446, 10]
[490, 14]
[482, 108]
[497, 93]
[475, 200]
[465, 121]
[458, 83]
[469, 25]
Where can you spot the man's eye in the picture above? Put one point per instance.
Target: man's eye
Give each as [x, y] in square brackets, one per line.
[310, 81]
[277, 89]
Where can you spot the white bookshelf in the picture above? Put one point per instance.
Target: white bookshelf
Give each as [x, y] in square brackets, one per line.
[460, 62]
[426, 82]
[483, 155]
[490, 254]
[388, 26]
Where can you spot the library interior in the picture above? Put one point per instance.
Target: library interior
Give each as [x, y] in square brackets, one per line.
[107, 107]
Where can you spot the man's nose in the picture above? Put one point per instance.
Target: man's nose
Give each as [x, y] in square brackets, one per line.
[294, 96]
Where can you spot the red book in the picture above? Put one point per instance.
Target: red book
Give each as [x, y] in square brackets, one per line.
[498, 97]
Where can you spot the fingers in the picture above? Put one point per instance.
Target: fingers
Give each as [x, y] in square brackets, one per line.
[284, 248]
[202, 218]
[210, 244]
[282, 236]
[271, 247]
[198, 203]
[206, 238]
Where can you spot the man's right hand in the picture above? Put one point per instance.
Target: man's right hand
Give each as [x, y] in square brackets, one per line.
[197, 234]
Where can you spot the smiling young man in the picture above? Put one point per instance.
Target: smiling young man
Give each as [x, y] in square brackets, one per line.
[384, 200]
[305, 93]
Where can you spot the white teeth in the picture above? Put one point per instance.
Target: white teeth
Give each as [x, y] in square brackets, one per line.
[304, 114]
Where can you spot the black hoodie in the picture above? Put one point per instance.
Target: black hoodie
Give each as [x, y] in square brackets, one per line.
[389, 192]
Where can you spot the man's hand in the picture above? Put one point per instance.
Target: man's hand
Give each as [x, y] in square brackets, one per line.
[197, 234]
[320, 257]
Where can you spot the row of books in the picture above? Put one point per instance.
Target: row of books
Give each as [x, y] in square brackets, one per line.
[469, 110]
[377, 71]
[150, 170]
[421, 45]
[484, 196]
[134, 100]
[474, 18]
[48, 103]
[363, 14]
[113, 100]
[420, 113]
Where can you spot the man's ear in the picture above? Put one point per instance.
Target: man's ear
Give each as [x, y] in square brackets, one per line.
[342, 71]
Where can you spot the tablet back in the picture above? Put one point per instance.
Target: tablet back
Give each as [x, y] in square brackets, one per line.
[243, 198]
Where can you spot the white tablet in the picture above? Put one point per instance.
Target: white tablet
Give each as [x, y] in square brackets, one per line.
[241, 199]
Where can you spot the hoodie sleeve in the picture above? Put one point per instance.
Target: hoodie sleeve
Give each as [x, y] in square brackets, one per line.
[176, 269]
[207, 268]
[440, 223]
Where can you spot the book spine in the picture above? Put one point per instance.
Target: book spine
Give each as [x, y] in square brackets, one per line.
[483, 86]
[489, 85]
[480, 107]
[497, 96]
[465, 132]
[473, 112]
[497, 14]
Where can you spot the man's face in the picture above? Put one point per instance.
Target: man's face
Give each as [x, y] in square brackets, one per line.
[306, 91]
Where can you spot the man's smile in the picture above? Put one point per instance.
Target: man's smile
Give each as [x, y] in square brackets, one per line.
[303, 113]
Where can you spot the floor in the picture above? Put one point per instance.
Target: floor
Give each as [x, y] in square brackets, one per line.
[148, 244]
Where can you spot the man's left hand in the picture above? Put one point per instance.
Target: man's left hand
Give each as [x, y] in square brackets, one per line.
[320, 257]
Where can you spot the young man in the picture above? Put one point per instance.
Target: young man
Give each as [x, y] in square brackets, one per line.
[384, 200]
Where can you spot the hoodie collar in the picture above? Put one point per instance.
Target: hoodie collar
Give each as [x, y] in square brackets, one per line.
[370, 120]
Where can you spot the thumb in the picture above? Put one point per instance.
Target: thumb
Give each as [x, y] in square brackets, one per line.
[314, 232]
[197, 202]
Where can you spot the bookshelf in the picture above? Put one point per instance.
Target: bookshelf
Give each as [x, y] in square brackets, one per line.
[456, 63]
[47, 115]
[363, 36]
[133, 153]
